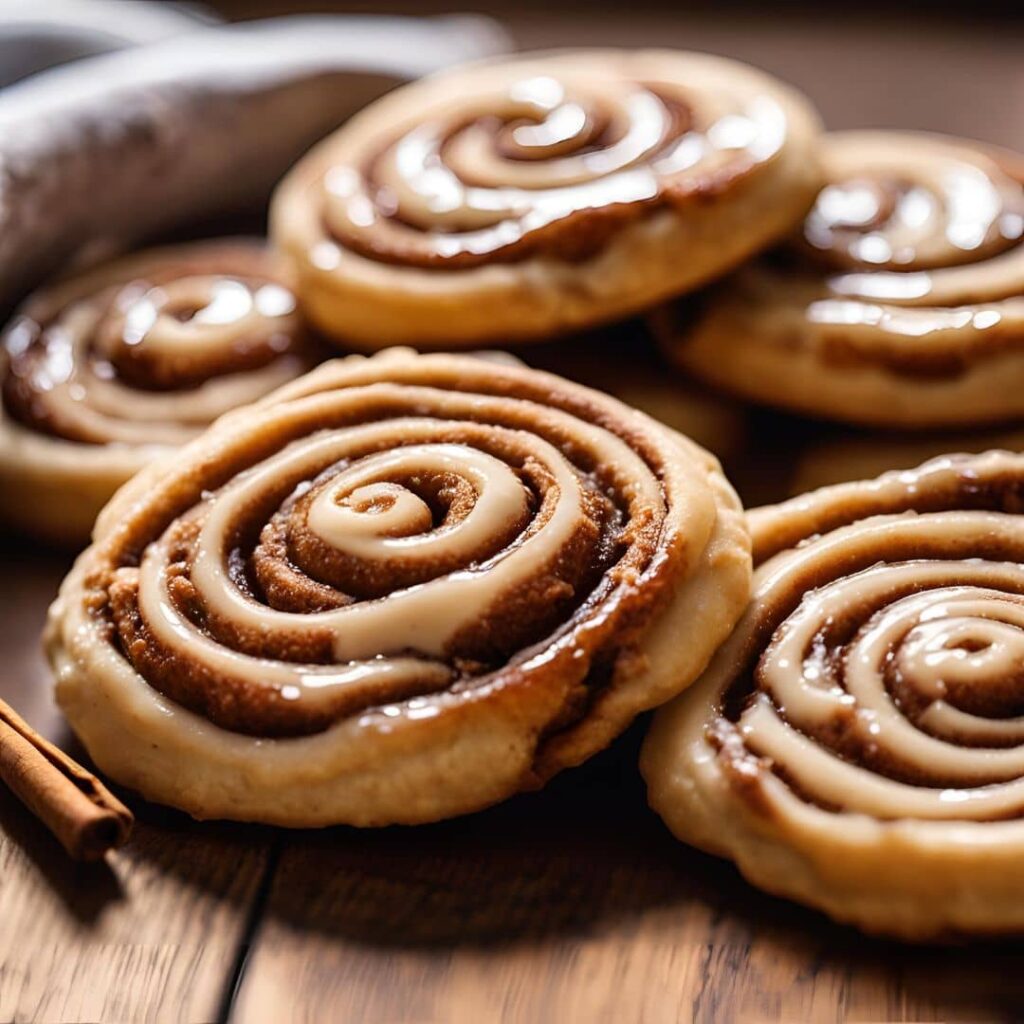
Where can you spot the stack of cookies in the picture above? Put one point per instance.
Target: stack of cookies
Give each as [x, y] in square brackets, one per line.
[408, 583]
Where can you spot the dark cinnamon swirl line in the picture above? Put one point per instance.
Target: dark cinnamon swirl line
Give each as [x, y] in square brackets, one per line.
[150, 349]
[415, 459]
[389, 211]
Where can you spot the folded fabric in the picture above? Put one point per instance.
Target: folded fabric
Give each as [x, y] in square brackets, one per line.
[111, 149]
[50, 32]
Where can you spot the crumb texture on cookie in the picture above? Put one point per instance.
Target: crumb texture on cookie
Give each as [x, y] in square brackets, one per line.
[858, 743]
[535, 181]
[399, 588]
[900, 304]
[106, 369]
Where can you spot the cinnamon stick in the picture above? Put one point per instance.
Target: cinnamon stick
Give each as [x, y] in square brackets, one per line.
[75, 806]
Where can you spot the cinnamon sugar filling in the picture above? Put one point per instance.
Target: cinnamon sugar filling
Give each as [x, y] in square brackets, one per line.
[152, 349]
[316, 563]
[882, 666]
[507, 176]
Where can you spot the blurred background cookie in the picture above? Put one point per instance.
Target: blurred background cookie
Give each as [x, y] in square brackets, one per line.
[901, 304]
[520, 199]
[105, 371]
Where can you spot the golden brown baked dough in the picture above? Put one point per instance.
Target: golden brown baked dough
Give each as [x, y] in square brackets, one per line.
[858, 743]
[517, 199]
[901, 306]
[399, 589]
[107, 370]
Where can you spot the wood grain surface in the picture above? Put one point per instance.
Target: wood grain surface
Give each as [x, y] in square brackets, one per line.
[571, 905]
[150, 935]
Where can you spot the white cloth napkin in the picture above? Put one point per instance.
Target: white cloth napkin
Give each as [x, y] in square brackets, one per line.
[109, 150]
[43, 33]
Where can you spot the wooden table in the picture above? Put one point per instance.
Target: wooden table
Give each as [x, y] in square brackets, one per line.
[572, 905]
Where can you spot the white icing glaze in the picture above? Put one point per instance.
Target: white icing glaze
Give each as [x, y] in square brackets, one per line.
[364, 511]
[186, 322]
[199, 313]
[403, 526]
[948, 256]
[474, 173]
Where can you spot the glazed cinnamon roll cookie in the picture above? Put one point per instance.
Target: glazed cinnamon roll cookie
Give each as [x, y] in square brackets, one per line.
[109, 369]
[902, 305]
[401, 588]
[522, 198]
[858, 743]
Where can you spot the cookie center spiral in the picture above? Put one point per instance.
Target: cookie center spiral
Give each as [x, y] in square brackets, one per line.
[151, 349]
[883, 666]
[186, 330]
[363, 515]
[958, 214]
[390, 558]
[538, 164]
[947, 660]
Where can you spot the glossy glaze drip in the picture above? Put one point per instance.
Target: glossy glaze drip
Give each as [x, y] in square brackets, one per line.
[881, 667]
[927, 237]
[525, 163]
[152, 349]
[420, 527]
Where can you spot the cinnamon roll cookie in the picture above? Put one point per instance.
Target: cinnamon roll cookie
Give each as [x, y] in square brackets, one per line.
[107, 370]
[858, 743]
[522, 198]
[399, 589]
[902, 305]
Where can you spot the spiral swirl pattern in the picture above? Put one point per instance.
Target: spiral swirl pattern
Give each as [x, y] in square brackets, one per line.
[153, 348]
[394, 541]
[107, 370]
[540, 162]
[930, 246]
[549, 158]
[902, 303]
[871, 702]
